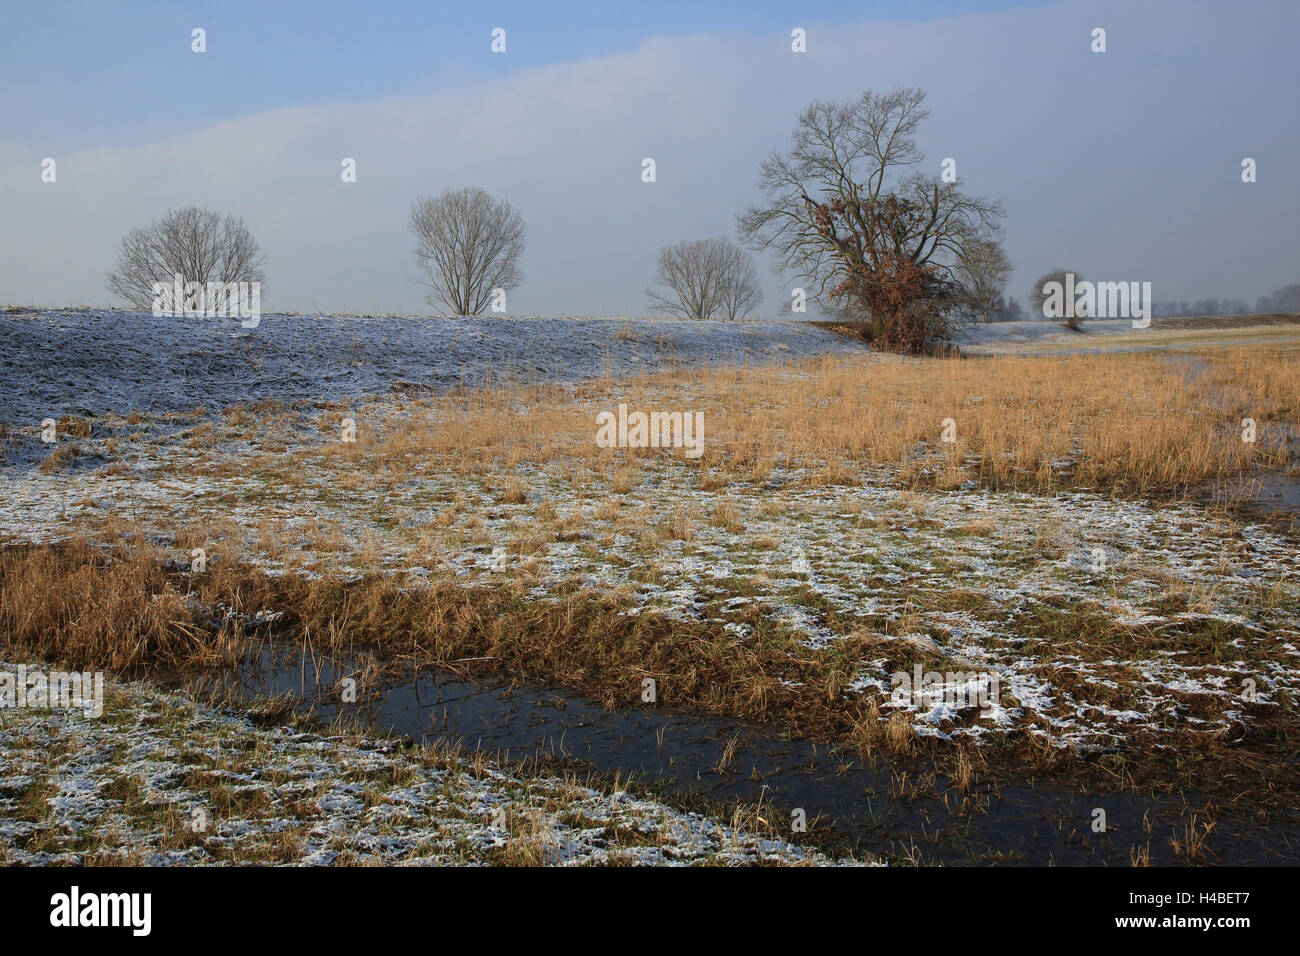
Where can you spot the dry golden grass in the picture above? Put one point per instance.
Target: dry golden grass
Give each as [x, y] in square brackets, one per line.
[74, 426]
[1128, 423]
[76, 604]
[727, 515]
[515, 493]
[62, 456]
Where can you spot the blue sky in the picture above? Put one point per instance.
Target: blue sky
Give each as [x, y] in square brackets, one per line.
[103, 73]
[1123, 166]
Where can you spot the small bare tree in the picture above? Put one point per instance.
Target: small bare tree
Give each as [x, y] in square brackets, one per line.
[197, 244]
[697, 280]
[1038, 297]
[983, 277]
[469, 245]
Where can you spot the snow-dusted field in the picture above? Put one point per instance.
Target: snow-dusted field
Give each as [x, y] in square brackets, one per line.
[57, 362]
[957, 576]
[212, 433]
[963, 570]
[159, 780]
[1118, 335]
[1040, 332]
[127, 787]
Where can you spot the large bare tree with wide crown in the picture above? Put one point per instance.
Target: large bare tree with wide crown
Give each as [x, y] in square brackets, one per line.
[849, 213]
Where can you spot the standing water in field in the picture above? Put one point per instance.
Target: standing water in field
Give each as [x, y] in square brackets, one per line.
[892, 812]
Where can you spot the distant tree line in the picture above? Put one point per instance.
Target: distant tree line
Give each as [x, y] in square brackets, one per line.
[1173, 309]
[906, 256]
[1006, 310]
[1285, 299]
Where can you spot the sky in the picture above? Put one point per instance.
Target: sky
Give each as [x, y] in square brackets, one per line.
[1123, 165]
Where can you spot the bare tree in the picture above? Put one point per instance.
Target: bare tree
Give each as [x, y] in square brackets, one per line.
[848, 212]
[697, 280]
[469, 245]
[984, 275]
[1011, 311]
[740, 293]
[1038, 295]
[198, 245]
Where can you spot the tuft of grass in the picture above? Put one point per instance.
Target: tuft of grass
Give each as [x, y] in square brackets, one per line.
[61, 457]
